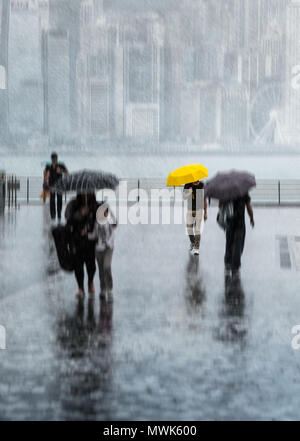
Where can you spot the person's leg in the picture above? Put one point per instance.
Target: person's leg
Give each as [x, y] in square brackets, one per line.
[190, 227]
[238, 247]
[59, 205]
[52, 206]
[79, 273]
[229, 248]
[197, 228]
[100, 262]
[90, 266]
[107, 269]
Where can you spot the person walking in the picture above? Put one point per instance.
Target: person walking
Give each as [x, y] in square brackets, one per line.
[236, 232]
[196, 213]
[54, 172]
[80, 214]
[104, 234]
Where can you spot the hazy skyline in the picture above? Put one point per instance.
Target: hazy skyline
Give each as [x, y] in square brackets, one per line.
[211, 73]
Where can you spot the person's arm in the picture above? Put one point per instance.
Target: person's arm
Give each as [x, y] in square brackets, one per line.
[250, 212]
[205, 208]
[61, 169]
[115, 222]
[187, 191]
[47, 175]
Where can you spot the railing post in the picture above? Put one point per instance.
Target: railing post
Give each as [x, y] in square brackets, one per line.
[27, 191]
[15, 187]
[279, 195]
[9, 190]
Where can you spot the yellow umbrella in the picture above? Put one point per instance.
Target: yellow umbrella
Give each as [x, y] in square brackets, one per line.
[187, 174]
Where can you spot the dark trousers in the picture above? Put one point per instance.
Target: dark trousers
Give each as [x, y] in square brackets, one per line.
[52, 205]
[85, 255]
[104, 259]
[235, 239]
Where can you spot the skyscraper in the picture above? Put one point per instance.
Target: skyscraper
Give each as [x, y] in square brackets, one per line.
[292, 80]
[58, 85]
[64, 15]
[142, 76]
[171, 107]
[4, 27]
[25, 70]
[95, 73]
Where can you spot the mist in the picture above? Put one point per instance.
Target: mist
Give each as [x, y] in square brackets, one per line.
[150, 76]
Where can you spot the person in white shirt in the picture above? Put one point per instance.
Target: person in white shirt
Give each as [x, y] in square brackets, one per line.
[104, 235]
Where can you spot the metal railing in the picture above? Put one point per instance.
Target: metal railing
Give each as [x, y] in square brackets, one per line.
[27, 190]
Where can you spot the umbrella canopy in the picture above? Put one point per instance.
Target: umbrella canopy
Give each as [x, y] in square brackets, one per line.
[187, 174]
[85, 181]
[230, 185]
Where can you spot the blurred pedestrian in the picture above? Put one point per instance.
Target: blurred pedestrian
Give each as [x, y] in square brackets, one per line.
[80, 214]
[54, 171]
[196, 213]
[104, 234]
[235, 232]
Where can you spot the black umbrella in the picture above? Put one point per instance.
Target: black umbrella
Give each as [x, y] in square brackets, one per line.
[85, 181]
[229, 185]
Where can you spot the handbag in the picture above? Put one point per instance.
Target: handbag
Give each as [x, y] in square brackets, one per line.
[64, 249]
[225, 215]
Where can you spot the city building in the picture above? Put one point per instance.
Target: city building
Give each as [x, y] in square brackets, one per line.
[64, 16]
[234, 124]
[58, 85]
[142, 63]
[204, 72]
[292, 79]
[25, 85]
[95, 73]
[4, 30]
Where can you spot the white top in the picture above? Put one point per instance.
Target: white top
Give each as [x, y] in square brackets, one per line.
[104, 233]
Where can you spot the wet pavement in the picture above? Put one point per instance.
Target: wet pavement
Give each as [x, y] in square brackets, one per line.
[178, 343]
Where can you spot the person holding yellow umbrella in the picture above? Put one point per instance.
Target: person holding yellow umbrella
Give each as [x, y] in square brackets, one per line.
[190, 176]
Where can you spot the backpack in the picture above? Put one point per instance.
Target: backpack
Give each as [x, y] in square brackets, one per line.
[225, 215]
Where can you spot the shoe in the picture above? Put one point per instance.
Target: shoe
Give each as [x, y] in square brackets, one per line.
[91, 288]
[102, 295]
[110, 297]
[196, 251]
[80, 294]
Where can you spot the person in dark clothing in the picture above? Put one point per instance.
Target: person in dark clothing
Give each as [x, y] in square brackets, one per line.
[236, 232]
[196, 212]
[53, 173]
[80, 215]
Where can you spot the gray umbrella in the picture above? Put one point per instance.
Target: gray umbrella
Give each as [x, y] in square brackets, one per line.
[85, 181]
[229, 185]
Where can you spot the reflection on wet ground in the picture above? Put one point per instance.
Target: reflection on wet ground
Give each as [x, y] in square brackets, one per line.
[179, 342]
